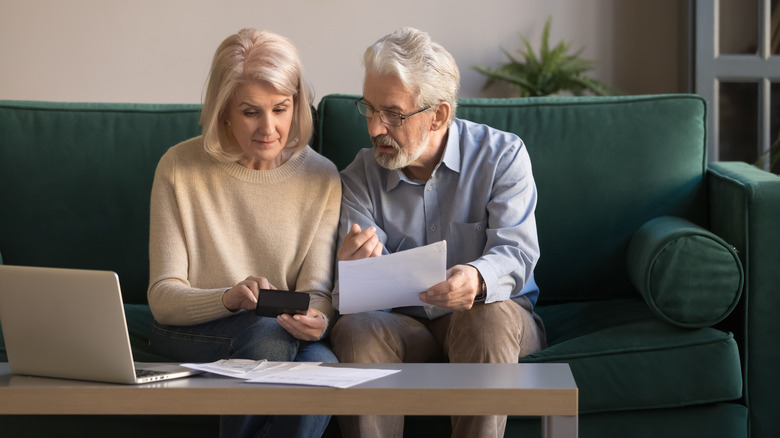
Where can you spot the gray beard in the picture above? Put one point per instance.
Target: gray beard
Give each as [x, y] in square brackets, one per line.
[402, 158]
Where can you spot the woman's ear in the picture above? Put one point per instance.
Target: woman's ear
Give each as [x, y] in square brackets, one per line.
[441, 116]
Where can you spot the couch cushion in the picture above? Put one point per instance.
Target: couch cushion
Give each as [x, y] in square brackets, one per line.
[623, 357]
[687, 275]
[139, 324]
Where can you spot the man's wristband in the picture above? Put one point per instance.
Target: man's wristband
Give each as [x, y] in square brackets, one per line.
[482, 294]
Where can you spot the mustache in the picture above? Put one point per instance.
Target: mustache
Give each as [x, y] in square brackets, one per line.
[385, 140]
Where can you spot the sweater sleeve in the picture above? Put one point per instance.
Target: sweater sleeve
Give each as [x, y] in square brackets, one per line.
[316, 276]
[171, 298]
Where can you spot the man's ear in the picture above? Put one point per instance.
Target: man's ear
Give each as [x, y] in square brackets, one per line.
[441, 116]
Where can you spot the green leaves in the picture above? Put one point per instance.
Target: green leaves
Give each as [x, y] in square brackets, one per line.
[772, 155]
[551, 71]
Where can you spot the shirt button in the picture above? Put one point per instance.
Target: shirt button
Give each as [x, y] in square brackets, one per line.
[429, 188]
[433, 227]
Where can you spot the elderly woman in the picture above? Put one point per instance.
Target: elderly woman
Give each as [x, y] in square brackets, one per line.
[246, 206]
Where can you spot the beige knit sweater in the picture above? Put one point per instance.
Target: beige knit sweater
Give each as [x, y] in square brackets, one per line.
[214, 224]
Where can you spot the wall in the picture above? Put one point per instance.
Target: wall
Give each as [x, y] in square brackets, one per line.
[160, 50]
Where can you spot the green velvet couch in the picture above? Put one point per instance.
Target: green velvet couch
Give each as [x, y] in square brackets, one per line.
[659, 270]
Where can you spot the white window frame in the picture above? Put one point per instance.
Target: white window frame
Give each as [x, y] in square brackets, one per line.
[712, 68]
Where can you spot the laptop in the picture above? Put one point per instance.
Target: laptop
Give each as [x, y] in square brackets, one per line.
[70, 323]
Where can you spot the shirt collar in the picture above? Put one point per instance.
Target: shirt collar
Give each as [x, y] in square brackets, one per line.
[451, 158]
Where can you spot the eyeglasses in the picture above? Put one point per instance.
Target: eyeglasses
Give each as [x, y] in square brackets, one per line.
[389, 118]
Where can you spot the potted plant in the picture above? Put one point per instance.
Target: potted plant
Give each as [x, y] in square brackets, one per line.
[552, 71]
[773, 155]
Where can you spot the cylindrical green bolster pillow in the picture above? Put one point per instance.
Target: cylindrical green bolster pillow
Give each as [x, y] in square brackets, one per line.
[687, 275]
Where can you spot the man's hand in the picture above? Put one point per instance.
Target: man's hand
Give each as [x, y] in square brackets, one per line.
[457, 292]
[244, 294]
[307, 327]
[359, 244]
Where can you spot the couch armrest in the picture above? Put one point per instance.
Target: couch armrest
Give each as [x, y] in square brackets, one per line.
[744, 209]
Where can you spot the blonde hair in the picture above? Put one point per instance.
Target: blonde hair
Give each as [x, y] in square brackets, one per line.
[248, 56]
[424, 67]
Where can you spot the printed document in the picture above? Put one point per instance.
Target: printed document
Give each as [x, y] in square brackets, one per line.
[291, 373]
[392, 280]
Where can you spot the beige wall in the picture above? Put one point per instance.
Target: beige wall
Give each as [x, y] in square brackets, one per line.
[160, 50]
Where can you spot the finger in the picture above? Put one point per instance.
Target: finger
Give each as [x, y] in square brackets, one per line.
[295, 331]
[248, 294]
[371, 248]
[451, 294]
[251, 283]
[348, 245]
[305, 322]
[238, 297]
[354, 230]
[459, 302]
[287, 323]
[457, 277]
[377, 251]
[359, 245]
[297, 328]
[313, 319]
[261, 282]
[355, 238]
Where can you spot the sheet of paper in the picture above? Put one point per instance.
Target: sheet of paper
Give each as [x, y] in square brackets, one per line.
[393, 280]
[242, 368]
[290, 373]
[314, 375]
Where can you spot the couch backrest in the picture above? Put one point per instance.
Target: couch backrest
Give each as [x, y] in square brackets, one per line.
[603, 166]
[75, 180]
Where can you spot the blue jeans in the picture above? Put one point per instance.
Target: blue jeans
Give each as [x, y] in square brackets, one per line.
[245, 336]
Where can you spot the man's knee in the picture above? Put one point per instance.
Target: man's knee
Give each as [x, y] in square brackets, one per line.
[497, 332]
[382, 337]
[495, 320]
[356, 337]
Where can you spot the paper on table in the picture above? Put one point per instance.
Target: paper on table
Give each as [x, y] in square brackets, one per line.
[313, 375]
[242, 368]
[290, 373]
[393, 280]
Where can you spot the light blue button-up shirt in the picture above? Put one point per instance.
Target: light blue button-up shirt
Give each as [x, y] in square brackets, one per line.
[480, 198]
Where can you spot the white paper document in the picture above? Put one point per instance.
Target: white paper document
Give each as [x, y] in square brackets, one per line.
[393, 280]
[315, 375]
[291, 373]
[242, 368]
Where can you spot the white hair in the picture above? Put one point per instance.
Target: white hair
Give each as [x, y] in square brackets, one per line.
[424, 67]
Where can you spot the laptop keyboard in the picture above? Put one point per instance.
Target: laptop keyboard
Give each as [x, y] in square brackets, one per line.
[149, 373]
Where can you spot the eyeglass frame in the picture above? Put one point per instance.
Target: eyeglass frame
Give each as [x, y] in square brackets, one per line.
[401, 117]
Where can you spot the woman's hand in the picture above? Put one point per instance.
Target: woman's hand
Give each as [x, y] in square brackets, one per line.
[308, 327]
[244, 294]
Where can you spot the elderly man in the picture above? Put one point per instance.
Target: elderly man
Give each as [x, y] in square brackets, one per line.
[431, 176]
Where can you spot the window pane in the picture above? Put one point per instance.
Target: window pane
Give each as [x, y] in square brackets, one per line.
[738, 27]
[774, 128]
[738, 122]
[774, 41]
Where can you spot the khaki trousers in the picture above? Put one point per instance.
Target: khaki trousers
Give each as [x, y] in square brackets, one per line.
[487, 333]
